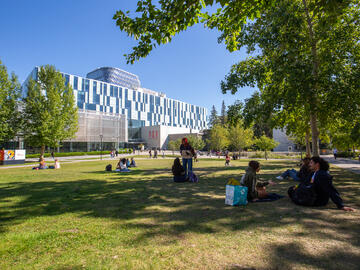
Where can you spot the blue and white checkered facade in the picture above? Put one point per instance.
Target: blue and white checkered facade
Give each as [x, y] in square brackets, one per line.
[142, 107]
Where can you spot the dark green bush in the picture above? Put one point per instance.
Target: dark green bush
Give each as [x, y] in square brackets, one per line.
[71, 154]
[345, 154]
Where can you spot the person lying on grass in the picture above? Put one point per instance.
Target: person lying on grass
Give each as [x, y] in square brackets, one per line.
[301, 175]
[256, 189]
[318, 188]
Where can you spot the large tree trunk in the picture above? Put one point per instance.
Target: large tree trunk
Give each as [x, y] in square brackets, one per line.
[314, 135]
[42, 151]
[315, 74]
[307, 142]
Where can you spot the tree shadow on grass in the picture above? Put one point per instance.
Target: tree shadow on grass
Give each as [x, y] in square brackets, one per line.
[159, 207]
[294, 255]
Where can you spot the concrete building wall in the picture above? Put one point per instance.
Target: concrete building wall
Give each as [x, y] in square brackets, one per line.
[285, 145]
[158, 136]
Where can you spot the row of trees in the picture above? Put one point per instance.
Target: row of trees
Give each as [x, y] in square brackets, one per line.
[45, 117]
[228, 131]
[195, 141]
[304, 58]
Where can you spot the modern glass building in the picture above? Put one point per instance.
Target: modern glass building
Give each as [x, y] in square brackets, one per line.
[112, 91]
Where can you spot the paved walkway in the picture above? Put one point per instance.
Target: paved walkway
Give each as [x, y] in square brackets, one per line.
[344, 163]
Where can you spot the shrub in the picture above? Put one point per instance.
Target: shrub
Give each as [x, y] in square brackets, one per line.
[345, 154]
[71, 154]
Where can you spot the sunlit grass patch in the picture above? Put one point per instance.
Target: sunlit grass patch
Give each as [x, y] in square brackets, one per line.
[83, 217]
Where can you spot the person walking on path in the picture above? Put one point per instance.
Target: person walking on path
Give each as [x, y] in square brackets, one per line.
[155, 153]
[150, 154]
[335, 153]
[187, 153]
[52, 155]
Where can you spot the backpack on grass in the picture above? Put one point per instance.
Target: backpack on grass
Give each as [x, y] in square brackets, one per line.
[193, 178]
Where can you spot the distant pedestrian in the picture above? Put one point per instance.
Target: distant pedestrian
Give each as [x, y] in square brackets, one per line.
[163, 154]
[150, 153]
[116, 153]
[335, 153]
[52, 154]
[227, 160]
[155, 153]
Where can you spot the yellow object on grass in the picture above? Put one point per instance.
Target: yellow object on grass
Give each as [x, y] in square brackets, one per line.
[233, 182]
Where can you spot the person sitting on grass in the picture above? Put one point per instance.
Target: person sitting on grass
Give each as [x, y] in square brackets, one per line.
[127, 163]
[318, 188]
[132, 163]
[179, 172]
[57, 164]
[256, 189]
[121, 166]
[301, 175]
[42, 165]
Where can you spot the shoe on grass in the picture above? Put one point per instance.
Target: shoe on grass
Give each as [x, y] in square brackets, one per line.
[280, 177]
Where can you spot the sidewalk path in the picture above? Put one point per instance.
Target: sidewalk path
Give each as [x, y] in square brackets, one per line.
[344, 163]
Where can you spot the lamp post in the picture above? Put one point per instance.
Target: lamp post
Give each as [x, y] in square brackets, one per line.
[101, 138]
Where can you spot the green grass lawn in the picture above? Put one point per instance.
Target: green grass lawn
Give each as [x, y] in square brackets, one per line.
[81, 217]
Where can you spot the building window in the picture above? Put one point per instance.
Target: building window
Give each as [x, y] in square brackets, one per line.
[105, 89]
[87, 85]
[75, 83]
[67, 79]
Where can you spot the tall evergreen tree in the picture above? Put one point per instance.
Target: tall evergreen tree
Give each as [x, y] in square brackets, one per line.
[214, 118]
[50, 113]
[223, 113]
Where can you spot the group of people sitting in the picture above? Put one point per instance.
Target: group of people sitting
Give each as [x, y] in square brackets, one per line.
[124, 164]
[315, 186]
[43, 166]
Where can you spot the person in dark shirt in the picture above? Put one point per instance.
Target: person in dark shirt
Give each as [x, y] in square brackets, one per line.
[321, 181]
[178, 172]
[301, 175]
[187, 154]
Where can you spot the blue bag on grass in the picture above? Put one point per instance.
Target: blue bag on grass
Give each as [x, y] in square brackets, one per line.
[236, 195]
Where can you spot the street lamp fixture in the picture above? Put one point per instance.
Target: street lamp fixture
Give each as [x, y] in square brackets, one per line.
[101, 138]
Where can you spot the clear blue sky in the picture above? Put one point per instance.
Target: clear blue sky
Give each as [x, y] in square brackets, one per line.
[80, 35]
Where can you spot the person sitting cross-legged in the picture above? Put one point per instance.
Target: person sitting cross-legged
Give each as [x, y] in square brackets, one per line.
[121, 166]
[132, 163]
[179, 172]
[256, 189]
